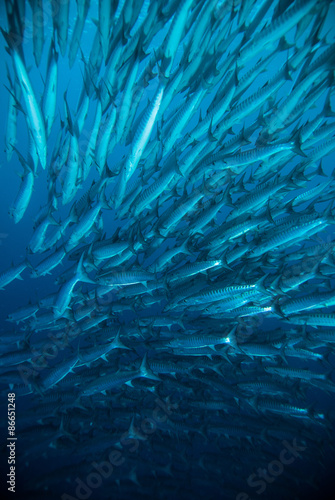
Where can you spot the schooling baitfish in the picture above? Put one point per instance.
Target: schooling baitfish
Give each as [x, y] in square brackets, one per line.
[168, 253]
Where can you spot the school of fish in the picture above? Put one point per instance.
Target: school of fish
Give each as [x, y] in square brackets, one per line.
[189, 238]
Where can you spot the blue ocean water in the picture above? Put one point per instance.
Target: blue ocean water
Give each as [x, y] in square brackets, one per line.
[154, 434]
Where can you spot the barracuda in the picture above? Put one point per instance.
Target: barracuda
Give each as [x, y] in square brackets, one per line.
[50, 93]
[119, 378]
[35, 119]
[289, 235]
[182, 237]
[277, 29]
[23, 197]
[140, 141]
[11, 127]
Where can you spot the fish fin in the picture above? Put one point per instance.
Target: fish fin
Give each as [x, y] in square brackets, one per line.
[327, 111]
[284, 44]
[268, 213]
[260, 285]
[210, 134]
[117, 343]
[18, 105]
[13, 40]
[275, 285]
[296, 145]
[145, 371]
[321, 172]
[277, 310]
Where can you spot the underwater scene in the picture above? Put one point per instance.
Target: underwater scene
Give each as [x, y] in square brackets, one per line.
[167, 249]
